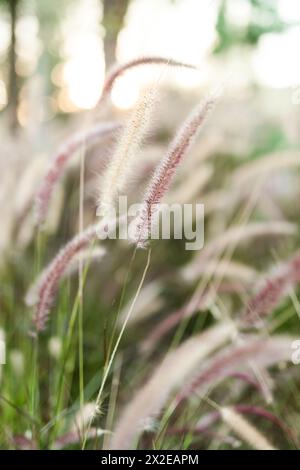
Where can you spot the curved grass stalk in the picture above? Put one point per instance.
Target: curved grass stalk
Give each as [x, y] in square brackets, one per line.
[57, 166]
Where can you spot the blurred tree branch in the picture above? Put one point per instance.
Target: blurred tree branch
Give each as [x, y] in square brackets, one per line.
[13, 80]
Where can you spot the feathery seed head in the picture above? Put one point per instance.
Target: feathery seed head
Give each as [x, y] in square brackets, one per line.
[274, 289]
[122, 162]
[58, 165]
[52, 274]
[245, 430]
[165, 171]
[172, 372]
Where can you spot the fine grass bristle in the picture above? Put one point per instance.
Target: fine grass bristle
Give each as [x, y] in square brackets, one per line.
[123, 162]
[164, 173]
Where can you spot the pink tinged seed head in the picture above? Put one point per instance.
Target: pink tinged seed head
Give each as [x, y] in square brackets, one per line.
[164, 173]
[263, 352]
[51, 276]
[197, 302]
[274, 289]
[123, 162]
[174, 370]
[220, 366]
[58, 165]
[266, 299]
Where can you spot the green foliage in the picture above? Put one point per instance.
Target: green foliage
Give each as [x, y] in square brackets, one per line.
[264, 18]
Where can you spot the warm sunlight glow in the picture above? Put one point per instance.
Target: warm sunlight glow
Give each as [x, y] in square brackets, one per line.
[83, 71]
[84, 79]
[124, 94]
[275, 64]
[145, 34]
[289, 10]
[29, 46]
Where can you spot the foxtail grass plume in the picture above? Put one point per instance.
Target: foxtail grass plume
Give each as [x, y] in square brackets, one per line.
[148, 303]
[200, 301]
[271, 293]
[49, 279]
[58, 165]
[231, 237]
[122, 162]
[171, 373]
[221, 268]
[263, 413]
[192, 185]
[260, 352]
[165, 171]
[75, 437]
[264, 166]
[245, 430]
[52, 274]
[209, 419]
[197, 302]
[86, 255]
